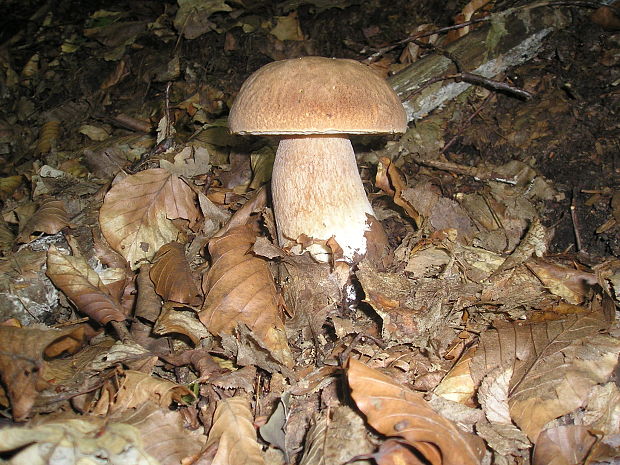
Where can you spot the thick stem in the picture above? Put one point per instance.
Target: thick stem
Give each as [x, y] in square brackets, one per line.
[317, 191]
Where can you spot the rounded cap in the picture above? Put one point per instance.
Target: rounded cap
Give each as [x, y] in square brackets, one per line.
[316, 95]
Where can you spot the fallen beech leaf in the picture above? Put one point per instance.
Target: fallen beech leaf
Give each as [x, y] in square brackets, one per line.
[603, 411]
[172, 275]
[80, 283]
[49, 218]
[570, 284]
[189, 162]
[563, 445]
[182, 322]
[73, 441]
[137, 387]
[192, 16]
[148, 303]
[48, 136]
[394, 452]
[396, 411]
[504, 439]
[555, 364]
[137, 213]
[163, 433]
[493, 395]
[337, 438]
[273, 431]
[8, 185]
[239, 289]
[607, 16]
[6, 236]
[458, 385]
[22, 364]
[233, 432]
[287, 27]
[392, 182]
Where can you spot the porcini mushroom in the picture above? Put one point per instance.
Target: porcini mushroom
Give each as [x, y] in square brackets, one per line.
[314, 103]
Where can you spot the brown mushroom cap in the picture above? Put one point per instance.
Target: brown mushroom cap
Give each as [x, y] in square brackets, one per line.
[316, 95]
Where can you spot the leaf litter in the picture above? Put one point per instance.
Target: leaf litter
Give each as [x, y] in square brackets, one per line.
[148, 314]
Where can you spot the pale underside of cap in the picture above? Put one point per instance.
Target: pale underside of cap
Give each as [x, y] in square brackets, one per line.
[316, 95]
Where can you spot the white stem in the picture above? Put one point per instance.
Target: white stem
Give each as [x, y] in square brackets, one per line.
[317, 191]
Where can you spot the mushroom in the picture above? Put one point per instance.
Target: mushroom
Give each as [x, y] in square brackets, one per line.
[313, 104]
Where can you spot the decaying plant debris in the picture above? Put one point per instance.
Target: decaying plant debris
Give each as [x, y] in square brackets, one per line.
[148, 315]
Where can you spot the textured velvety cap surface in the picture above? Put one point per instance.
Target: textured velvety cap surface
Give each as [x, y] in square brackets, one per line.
[316, 95]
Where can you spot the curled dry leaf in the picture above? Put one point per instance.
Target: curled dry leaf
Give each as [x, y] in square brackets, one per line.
[172, 275]
[391, 181]
[49, 218]
[555, 364]
[48, 136]
[234, 434]
[82, 285]
[239, 289]
[394, 410]
[137, 213]
[183, 322]
[22, 364]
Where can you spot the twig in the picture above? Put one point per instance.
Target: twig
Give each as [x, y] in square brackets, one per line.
[474, 79]
[575, 219]
[382, 51]
[342, 358]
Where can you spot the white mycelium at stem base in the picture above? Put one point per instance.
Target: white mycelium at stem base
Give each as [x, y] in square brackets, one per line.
[317, 191]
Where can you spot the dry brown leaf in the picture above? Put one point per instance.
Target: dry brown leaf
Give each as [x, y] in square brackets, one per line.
[49, 218]
[464, 16]
[391, 181]
[603, 410]
[457, 385]
[48, 136]
[563, 445]
[239, 289]
[148, 303]
[163, 433]
[137, 213]
[6, 236]
[555, 364]
[75, 440]
[504, 439]
[172, 275]
[8, 185]
[182, 322]
[394, 410]
[570, 284]
[80, 283]
[395, 452]
[137, 387]
[493, 395]
[607, 16]
[234, 434]
[22, 364]
[336, 438]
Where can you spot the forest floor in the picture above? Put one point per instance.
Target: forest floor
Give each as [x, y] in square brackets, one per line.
[148, 314]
